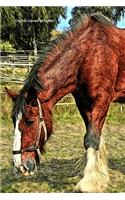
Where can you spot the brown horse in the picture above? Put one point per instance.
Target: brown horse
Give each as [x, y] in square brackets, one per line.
[89, 63]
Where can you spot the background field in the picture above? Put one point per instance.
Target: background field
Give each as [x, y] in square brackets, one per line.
[63, 163]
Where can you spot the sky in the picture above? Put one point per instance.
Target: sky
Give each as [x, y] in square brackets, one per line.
[64, 22]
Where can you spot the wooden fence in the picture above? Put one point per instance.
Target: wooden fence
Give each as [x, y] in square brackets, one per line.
[12, 62]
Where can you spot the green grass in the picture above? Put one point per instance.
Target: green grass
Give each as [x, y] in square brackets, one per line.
[62, 165]
[20, 73]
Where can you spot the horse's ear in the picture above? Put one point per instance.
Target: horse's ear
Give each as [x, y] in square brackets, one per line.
[12, 94]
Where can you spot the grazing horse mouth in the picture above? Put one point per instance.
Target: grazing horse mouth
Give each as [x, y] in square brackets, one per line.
[28, 167]
[25, 171]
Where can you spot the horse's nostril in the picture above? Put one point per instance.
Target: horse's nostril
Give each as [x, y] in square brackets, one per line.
[23, 168]
[30, 166]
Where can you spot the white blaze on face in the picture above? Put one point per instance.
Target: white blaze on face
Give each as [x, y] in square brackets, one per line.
[17, 142]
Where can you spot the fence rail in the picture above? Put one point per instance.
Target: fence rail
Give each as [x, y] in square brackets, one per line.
[15, 64]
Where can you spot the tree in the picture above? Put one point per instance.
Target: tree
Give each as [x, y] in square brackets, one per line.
[114, 13]
[29, 27]
[55, 34]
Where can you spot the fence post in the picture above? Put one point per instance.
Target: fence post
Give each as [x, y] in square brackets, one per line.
[29, 62]
[121, 108]
[13, 67]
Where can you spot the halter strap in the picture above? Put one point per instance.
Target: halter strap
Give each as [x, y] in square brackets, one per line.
[28, 149]
[41, 121]
[40, 126]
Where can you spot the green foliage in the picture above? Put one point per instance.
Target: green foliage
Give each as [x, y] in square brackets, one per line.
[114, 13]
[55, 33]
[6, 46]
[115, 115]
[29, 27]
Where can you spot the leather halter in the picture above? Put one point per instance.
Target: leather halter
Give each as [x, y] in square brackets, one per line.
[40, 126]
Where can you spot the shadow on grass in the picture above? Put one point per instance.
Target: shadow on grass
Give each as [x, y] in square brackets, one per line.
[117, 164]
[59, 175]
[55, 175]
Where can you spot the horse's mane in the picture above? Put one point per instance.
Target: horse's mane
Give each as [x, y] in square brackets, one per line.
[84, 20]
[98, 17]
[32, 84]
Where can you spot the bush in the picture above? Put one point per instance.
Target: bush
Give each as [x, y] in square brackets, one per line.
[6, 47]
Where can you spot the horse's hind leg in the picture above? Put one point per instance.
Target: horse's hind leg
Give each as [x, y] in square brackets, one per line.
[96, 175]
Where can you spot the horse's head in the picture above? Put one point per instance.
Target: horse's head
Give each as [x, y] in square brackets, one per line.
[30, 134]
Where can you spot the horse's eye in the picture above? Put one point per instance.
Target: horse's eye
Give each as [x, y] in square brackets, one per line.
[29, 122]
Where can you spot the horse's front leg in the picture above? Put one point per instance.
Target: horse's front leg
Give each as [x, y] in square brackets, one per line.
[96, 175]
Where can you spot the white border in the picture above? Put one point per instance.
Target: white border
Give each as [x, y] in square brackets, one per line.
[62, 196]
[62, 3]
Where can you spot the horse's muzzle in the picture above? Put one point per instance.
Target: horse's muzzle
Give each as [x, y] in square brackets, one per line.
[28, 167]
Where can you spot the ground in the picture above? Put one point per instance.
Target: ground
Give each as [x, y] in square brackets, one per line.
[62, 165]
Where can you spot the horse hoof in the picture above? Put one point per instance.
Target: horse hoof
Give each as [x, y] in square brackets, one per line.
[88, 186]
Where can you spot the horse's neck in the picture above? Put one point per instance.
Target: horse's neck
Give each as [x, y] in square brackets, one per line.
[60, 78]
